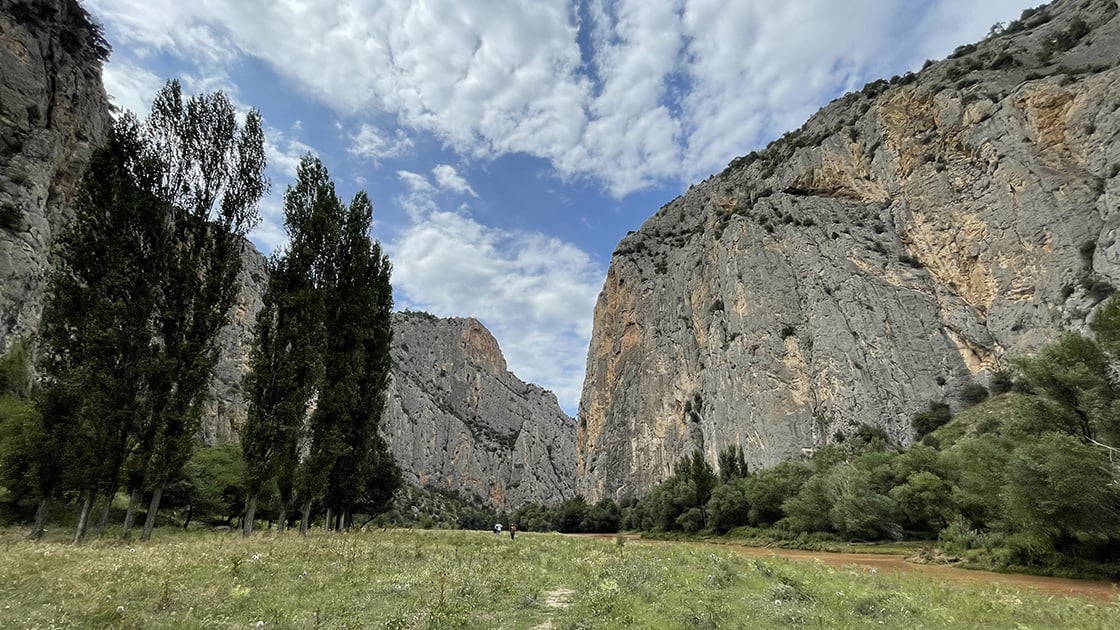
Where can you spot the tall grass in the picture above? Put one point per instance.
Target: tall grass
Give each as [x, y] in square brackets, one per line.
[459, 579]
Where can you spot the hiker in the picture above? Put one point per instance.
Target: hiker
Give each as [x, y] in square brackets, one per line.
[512, 530]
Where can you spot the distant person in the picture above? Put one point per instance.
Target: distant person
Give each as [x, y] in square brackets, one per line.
[512, 530]
[497, 528]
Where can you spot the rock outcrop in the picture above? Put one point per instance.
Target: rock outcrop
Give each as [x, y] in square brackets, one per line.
[899, 247]
[458, 420]
[53, 114]
[226, 408]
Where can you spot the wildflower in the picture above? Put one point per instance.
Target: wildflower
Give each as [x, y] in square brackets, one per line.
[259, 624]
[256, 557]
[778, 603]
[120, 609]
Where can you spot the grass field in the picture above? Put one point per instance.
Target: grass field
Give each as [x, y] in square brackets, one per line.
[459, 579]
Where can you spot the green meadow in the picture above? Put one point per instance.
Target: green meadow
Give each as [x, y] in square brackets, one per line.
[463, 579]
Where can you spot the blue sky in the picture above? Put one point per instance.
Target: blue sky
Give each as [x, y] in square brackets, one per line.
[508, 145]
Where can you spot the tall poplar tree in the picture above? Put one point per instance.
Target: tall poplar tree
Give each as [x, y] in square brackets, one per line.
[211, 178]
[314, 428]
[290, 335]
[95, 333]
[146, 278]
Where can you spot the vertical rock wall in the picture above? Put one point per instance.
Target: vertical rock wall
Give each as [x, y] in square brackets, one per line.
[900, 246]
[53, 114]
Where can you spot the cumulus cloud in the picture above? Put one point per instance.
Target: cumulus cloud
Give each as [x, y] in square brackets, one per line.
[371, 143]
[668, 90]
[535, 293]
[450, 179]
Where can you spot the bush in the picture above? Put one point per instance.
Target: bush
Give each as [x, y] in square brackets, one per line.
[973, 393]
[927, 422]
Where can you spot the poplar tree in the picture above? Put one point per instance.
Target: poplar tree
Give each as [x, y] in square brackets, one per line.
[211, 177]
[313, 427]
[290, 334]
[145, 280]
[95, 332]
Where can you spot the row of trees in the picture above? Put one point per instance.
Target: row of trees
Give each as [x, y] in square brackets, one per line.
[323, 337]
[1036, 481]
[145, 278]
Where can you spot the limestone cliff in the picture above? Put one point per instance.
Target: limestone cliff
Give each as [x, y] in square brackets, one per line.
[458, 420]
[901, 245]
[53, 113]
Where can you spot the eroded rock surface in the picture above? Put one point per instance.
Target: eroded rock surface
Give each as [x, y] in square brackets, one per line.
[900, 246]
[457, 419]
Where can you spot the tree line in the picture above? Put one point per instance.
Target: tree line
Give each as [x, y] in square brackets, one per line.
[144, 278]
[1033, 479]
[1029, 479]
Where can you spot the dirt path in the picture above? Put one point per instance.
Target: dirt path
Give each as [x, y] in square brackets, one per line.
[1101, 591]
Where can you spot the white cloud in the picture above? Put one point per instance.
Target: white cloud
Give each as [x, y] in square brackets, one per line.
[416, 182]
[371, 143]
[450, 179]
[669, 90]
[536, 294]
[131, 87]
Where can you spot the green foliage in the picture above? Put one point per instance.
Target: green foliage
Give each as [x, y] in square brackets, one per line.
[729, 507]
[973, 393]
[1059, 488]
[1024, 479]
[146, 277]
[21, 440]
[15, 370]
[1064, 40]
[1073, 376]
[732, 464]
[212, 485]
[927, 422]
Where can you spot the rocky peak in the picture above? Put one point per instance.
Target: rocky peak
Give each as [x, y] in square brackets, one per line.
[457, 420]
[894, 250]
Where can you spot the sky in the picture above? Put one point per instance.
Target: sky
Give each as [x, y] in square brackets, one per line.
[508, 145]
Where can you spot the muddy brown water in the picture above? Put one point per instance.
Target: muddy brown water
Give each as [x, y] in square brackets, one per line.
[1098, 590]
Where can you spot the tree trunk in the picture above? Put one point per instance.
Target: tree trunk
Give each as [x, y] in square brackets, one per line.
[282, 520]
[103, 520]
[190, 514]
[40, 524]
[327, 521]
[130, 513]
[83, 517]
[305, 520]
[153, 508]
[250, 512]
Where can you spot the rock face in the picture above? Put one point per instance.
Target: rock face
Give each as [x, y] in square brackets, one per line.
[53, 113]
[900, 246]
[457, 420]
[227, 409]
